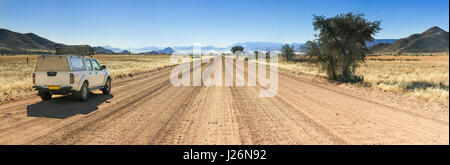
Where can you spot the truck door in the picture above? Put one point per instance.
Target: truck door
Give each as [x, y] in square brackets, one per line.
[99, 73]
[90, 73]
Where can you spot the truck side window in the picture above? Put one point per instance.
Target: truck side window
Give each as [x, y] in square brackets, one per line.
[96, 65]
[89, 65]
[77, 64]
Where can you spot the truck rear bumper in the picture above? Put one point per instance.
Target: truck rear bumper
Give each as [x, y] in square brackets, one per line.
[62, 91]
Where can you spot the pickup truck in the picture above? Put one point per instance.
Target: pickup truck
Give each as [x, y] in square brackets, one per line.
[66, 74]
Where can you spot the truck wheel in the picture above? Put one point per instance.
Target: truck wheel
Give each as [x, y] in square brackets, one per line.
[107, 88]
[82, 95]
[45, 95]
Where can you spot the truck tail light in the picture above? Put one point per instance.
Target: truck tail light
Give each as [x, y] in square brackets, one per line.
[72, 78]
[34, 78]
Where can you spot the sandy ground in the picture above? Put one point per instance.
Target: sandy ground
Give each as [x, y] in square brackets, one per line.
[148, 109]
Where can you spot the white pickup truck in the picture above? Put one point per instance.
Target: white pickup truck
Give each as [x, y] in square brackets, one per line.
[64, 74]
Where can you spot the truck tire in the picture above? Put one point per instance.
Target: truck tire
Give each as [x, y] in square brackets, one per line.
[107, 88]
[45, 96]
[83, 94]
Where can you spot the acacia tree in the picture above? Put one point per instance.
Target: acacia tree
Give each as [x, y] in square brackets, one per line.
[268, 54]
[340, 46]
[287, 52]
[237, 48]
[256, 54]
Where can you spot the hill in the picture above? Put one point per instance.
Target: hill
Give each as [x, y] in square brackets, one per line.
[124, 52]
[432, 40]
[116, 50]
[102, 50]
[379, 41]
[30, 43]
[13, 42]
[167, 50]
[379, 47]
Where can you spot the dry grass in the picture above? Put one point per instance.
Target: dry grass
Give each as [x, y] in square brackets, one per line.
[125, 65]
[16, 79]
[425, 77]
[390, 54]
[15, 76]
[301, 68]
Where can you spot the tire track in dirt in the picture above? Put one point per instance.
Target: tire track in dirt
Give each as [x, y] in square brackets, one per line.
[73, 133]
[366, 100]
[181, 117]
[207, 120]
[166, 134]
[362, 122]
[299, 130]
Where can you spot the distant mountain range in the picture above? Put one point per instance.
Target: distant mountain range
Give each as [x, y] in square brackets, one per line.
[167, 50]
[116, 50]
[124, 52]
[13, 42]
[248, 47]
[378, 41]
[432, 40]
[29, 43]
[265, 46]
[102, 50]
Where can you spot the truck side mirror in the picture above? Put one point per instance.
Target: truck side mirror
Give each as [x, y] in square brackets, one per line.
[103, 67]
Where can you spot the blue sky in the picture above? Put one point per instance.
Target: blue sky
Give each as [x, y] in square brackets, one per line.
[133, 23]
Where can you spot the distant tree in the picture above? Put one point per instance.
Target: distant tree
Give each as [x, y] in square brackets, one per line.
[287, 52]
[256, 54]
[340, 46]
[237, 48]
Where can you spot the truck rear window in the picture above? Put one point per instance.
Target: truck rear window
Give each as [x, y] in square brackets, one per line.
[52, 63]
[77, 64]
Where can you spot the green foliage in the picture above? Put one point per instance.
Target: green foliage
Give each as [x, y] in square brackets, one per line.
[237, 48]
[287, 52]
[340, 46]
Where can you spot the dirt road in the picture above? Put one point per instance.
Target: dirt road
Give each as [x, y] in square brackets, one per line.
[148, 109]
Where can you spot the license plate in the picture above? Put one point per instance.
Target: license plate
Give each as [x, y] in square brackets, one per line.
[53, 87]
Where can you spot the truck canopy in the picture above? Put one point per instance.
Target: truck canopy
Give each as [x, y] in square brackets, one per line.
[59, 63]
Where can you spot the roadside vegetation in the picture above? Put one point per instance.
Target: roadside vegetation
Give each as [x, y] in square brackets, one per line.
[16, 79]
[417, 75]
[237, 48]
[339, 53]
[287, 52]
[340, 46]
